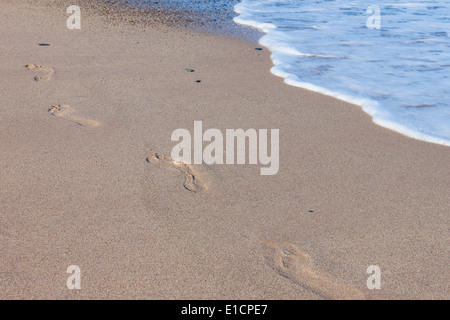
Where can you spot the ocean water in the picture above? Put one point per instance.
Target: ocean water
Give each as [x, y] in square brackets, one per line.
[398, 73]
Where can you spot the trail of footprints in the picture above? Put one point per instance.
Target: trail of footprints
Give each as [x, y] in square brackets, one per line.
[46, 70]
[63, 110]
[193, 180]
[290, 262]
[285, 258]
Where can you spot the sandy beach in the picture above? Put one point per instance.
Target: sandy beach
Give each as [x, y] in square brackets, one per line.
[82, 118]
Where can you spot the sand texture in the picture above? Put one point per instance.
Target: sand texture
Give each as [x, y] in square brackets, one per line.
[87, 177]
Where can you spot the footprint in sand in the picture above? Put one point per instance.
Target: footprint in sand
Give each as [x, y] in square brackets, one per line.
[193, 179]
[48, 72]
[67, 112]
[287, 260]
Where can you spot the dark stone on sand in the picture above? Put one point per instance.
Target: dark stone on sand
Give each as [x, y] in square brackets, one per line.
[189, 69]
[258, 48]
[198, 81]
[311, 211]
[44, 44]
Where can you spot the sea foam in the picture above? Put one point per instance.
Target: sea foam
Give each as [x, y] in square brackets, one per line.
[399, 74]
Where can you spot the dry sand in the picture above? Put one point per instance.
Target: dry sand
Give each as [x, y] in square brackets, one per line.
[79, 185]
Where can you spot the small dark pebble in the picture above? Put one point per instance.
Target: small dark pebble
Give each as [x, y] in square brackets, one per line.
[189, 69]
[310, 210]
[44, 44]
[258, 48]
[198, 81]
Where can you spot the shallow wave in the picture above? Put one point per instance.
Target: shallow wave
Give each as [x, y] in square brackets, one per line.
[399, 74]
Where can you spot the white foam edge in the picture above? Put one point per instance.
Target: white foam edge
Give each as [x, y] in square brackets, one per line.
[379, 116]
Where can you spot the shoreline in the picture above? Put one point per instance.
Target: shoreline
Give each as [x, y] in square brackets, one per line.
[380, 111]
[80, 185]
